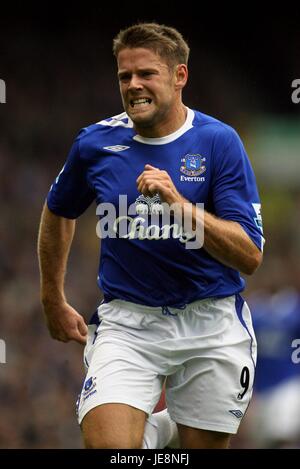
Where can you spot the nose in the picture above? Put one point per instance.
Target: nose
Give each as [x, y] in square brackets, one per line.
[135, 83]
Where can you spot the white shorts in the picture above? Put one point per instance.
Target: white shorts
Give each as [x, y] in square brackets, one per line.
[275, 415]
[206, 351]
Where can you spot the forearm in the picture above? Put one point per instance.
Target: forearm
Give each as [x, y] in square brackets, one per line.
[224, 240]
[227, 242]
[54, 242]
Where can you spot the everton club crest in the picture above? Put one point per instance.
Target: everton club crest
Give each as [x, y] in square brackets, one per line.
[192, 165]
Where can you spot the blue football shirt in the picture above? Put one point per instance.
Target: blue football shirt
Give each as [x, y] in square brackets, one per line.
[276, 320]
[208, 164]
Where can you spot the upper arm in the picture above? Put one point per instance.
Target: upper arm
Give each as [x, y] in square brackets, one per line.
[55, 228]
[70, 194]
[235, 194]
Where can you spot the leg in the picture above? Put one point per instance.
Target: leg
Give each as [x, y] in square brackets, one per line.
[194, 438]
[120, 388]
[160, 431]
[210, 394]
[113, 426]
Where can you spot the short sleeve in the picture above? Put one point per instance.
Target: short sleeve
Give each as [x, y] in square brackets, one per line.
[235, 193]
[70, 194]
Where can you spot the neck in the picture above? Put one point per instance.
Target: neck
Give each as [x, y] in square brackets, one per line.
[169, 124]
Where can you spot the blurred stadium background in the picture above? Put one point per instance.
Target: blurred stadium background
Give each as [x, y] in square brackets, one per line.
[60, 76]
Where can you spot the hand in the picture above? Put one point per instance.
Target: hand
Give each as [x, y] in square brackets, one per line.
[65, 324]
[153, 180]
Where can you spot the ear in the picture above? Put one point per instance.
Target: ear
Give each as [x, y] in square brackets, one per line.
[181, 76]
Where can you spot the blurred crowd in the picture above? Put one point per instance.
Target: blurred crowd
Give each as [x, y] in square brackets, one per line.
[55, 86]
[41, 379]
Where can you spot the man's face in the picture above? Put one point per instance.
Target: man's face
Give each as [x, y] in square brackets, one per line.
[147, 86]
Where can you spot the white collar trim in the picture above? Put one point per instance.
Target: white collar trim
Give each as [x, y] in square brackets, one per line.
[169, 138]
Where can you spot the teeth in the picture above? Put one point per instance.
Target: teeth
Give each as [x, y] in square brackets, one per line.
[134, 102]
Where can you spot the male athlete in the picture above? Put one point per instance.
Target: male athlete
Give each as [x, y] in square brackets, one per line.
[170, 312]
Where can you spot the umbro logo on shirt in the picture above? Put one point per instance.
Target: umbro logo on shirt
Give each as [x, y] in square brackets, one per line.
[116, 148]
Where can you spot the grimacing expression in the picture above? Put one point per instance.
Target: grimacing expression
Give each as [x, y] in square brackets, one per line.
[147, 86]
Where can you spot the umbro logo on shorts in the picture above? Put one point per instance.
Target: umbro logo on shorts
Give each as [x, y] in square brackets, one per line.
[237, 413]
[116, 148]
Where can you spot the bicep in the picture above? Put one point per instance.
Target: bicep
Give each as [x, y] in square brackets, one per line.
[235, 194]
[70, 194]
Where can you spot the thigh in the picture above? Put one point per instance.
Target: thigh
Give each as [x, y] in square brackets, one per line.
[118, 374]
[194, 438]
[121, 366]
[113, 426]
[213, 388]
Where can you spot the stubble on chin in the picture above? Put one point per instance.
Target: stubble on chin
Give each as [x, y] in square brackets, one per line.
[141, 120]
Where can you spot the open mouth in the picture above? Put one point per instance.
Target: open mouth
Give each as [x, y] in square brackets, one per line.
[140, 102]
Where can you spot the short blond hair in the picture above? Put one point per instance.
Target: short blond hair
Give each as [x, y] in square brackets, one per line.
[165, 41]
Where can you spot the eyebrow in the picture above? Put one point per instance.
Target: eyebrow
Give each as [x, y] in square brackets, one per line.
[139, 70]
